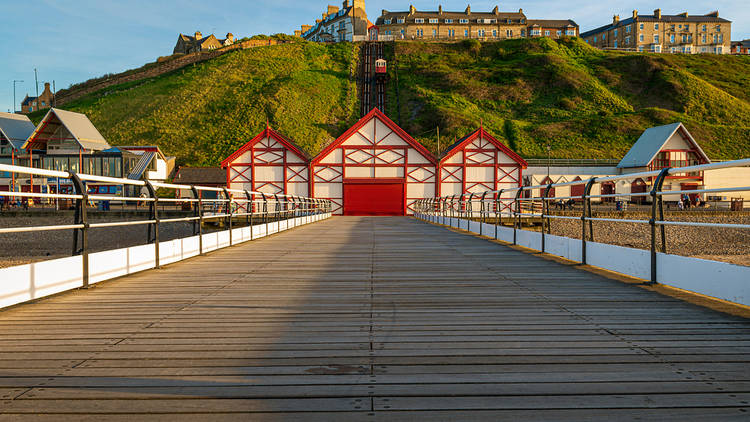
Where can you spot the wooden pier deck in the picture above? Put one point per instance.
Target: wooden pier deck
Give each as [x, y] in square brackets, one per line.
[384, 319]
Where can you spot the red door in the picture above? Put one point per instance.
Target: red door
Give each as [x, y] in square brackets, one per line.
[374, 198]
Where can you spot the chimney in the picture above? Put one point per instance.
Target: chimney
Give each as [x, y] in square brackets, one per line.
[496, 10]
[440, 9]
[714, 14]
[412, 10]
[383, 12]
[332, 10]
[635, 14]
[198, 35]
[657, 13]
[520, 11]
[468, 10]
[615, 19]
[230, 37]
[346, 4]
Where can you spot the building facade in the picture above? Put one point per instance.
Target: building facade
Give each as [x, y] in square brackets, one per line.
[445, 25]
[44, 101]
[349, 23]
[741, 47]
[658, 33]
[187, 44]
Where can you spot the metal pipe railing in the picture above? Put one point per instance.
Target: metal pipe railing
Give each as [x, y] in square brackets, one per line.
[524, 205]
[204, 209]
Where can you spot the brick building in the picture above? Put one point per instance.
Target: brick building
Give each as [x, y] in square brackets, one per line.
[658, 33]
[493, 25]
[44, 101]
[741, 47]
[338, 25]
[187, 44]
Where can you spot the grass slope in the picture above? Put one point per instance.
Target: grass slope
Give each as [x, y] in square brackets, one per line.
[203, 113]
[584, 102]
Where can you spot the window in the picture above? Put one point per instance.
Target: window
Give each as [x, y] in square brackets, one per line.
[480, 33]
[43, 104]
[604, 37]
[418, 20]
[703, 28]
[451, 33]
[466, 33]
[703, 38]
[615, 43]
[721, 38]
[387, 21]
[640, 49]
[656, 25]
[523, 33]
[420, 33]
[656, 38]
[641, 26]
[594, 38]
[571, 32]
[546, 33]
[507, 21]
[433, 20]
[509, 33]
[463, 21]
[449, 21]
[718, 28]
[627, 29]
[672, 27]
[400, 20]
[673, 50]
[671, 38]
[627, 40]
[687, 27]
[558, 33]
[688, 49]
[535, 32]
[494, 33]
[684, 39]
[615, 32]
[434, 33]
[31, 108]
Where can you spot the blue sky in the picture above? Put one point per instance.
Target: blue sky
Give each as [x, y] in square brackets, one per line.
[69, 41]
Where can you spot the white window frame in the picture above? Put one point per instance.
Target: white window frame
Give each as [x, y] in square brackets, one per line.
[463, 21]
[387, 21]
[400, 20]
[433, 20]
[449, 21]
[418, 20]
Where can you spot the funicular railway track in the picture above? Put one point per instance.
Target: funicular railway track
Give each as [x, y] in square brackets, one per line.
[373, 92]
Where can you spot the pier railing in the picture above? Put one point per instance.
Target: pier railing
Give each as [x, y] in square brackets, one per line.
[245, 215]
[503, 213]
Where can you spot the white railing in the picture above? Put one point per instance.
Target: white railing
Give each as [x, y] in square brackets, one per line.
[247, 215]
[493, 213]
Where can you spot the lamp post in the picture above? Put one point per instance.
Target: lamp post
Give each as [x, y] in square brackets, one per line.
[14, 94]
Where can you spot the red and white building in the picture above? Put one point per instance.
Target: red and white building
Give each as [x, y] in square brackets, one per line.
[479, 163]
[374, 168]
[269, 163]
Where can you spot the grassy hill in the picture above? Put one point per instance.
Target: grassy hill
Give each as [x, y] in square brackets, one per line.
[584, 102]
[202, 113]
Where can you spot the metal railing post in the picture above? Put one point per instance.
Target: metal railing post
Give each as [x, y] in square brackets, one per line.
[154, 215]
[545, 211]
[229, 211]
[498, 217]
[265, 210]
[277, 211]
[199, 197]
[249, 212]
[586, 210]
[657, 205]
[482, 211]
[517, 219]
[81, 217]
[469, 211]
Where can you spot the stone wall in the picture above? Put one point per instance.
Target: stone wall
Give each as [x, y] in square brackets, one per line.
[67, 96]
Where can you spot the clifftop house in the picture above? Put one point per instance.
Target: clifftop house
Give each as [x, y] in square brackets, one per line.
[338, 25]
[658, 33]
[44, 101]
[187, 44]
[492, 25]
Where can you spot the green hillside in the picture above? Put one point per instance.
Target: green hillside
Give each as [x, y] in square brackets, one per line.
[584, 102]
[203, 113]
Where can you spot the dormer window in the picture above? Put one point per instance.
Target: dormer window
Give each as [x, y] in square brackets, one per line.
[387, 21]
[449, 21]
[433, 20]
[400, 20]
[418, 20]
[463, 21]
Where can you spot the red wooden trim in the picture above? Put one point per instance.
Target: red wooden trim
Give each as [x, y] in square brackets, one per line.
[267, 133]
[481, 133]
[375, 113]
[374, 180]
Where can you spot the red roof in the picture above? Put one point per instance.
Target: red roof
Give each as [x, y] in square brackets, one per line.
[462, 143]
[267, 133]
[388, 122]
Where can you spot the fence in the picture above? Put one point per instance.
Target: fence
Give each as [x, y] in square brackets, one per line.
[257, 214]
[490, 213]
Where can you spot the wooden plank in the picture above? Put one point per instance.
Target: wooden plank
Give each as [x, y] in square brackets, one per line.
[365, 316]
